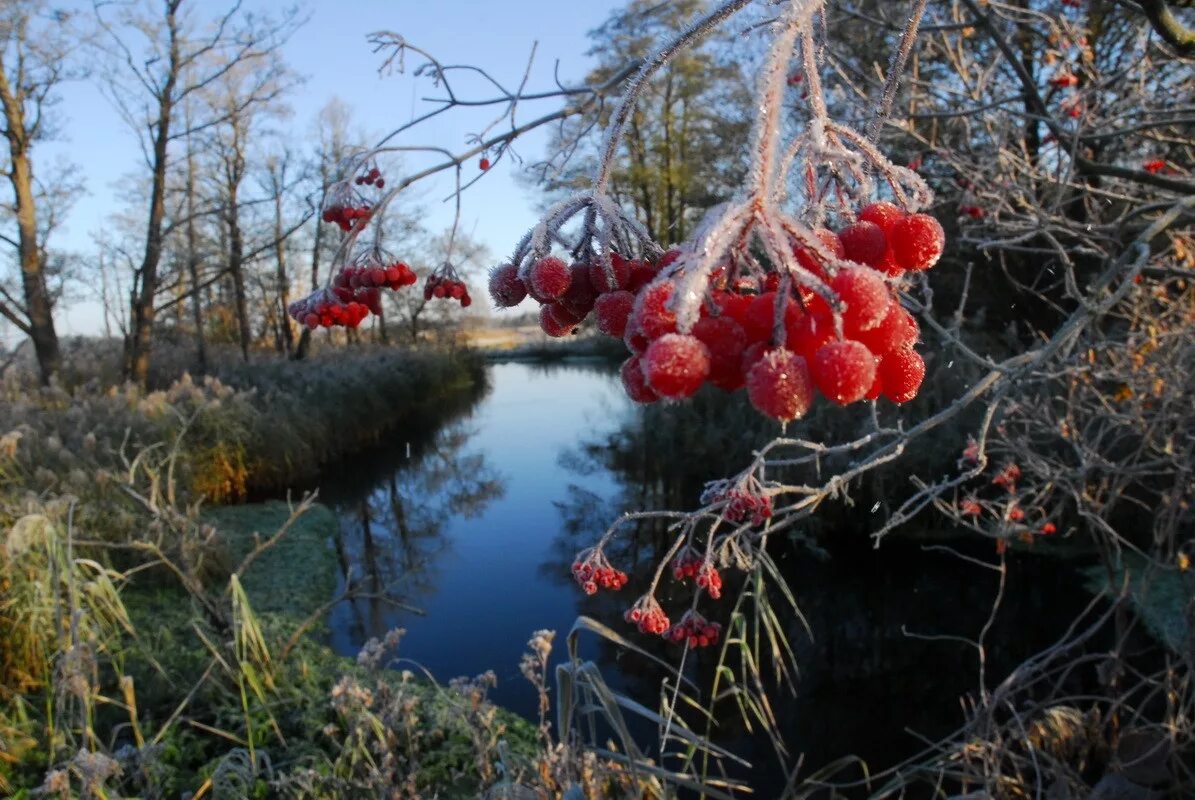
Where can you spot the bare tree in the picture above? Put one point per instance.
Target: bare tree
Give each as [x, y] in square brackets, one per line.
[158, 55]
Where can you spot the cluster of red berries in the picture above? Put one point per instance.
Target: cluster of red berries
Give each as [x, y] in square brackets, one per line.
[322, 309]
[567, 294]
[689, 564]
[694, 630]
[371, 178]
[444, 287]
[741, 505]
[648, 616]
[353, 278]
[592, 571]
[345, 216]
[1154, 166]
[1065, 80]
[779, 348]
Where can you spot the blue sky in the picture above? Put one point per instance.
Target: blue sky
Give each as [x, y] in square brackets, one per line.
[332, 55]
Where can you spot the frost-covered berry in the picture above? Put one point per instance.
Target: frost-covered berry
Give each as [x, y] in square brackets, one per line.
[866, 296]
[676, 365]
[882, 213]
[601, 281]
[843, 371]
[758, 319]
[548, 280]
[901, 372]
[896, 330]
[635, 382]
[580, 296]
[652, 316]
[864, 242]
[506, 287]
[806, 334]
[555, 320]
[779, 385]
[612, 311]
[917, 242]
[725, 340]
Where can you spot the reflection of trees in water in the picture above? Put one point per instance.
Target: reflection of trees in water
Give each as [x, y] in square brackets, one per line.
[392, 535]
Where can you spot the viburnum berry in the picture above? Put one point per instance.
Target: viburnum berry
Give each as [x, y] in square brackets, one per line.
[759, 319]
[618, 265]
[969, 507]
[580, 295]
[1048, 528]
[1007, 477]
[556, 321]
[883, 214]
[483, 164]
[506, 287]
[779, 385]
[652, 315]
[843, 371]
[901, 372]
[864, 243]
[612, 310]
[443, 285]
[676, 365]
[548, 279]
[809, 333]
[725, 340]
[895, 331]
[635, 382]
[866, 296]
[917, 241]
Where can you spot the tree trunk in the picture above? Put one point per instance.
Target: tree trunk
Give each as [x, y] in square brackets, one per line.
[305, 335]
[193, 265]
[141, 316]
[288, 334]
[39, 318]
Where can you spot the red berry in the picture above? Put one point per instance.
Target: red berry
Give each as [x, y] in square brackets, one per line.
[506, 288]
[901, 372]
[866, 297]
[896, 330]
[864, 243]
[556, 321]
[676, 365]
[759, 319]
[612, 311]
[725, 340]
[548, 280]
[580, 297]
[883, 213]
[918, 242]
[599, 279]
[810, 260]
[779, 385]
[635, 382]
[844, 371]
[652, 315]
[806, 334]
[483, 164]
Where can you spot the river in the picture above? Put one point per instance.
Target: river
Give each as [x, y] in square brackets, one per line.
[473, 521]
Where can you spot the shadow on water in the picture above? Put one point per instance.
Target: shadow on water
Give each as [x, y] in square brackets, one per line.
[478, 525]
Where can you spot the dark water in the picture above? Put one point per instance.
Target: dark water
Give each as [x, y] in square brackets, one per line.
[474, 520]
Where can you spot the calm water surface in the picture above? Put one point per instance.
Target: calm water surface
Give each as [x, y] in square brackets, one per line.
[473, 519]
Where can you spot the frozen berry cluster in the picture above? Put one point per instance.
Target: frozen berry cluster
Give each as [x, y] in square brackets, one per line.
[443, 286]
[354, 292]
[647, 615]
[694, 630]
[592, 570]
[323, 309]
[689, 564]
[835, 327]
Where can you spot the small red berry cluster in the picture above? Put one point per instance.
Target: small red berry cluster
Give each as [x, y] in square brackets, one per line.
[1005, 509]
[741, 505]
[345, 207]
[371, 178]
[694, 630]
[445, 286]
[648, 616]
[592, 570]
[352, 278]
[567, 294]
[689, 564]
[322, 309]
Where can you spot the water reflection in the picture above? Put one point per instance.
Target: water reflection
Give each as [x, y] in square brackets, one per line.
[478, 527]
